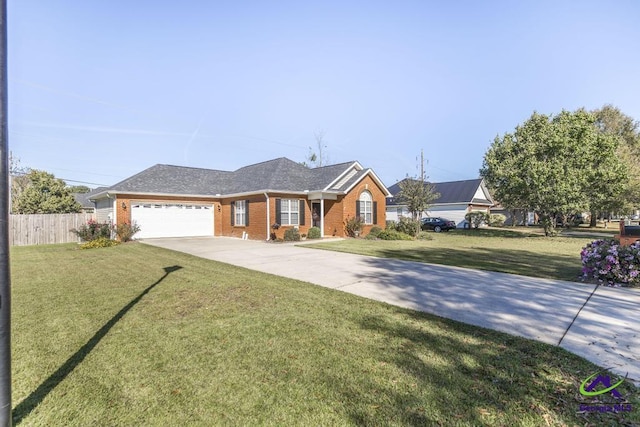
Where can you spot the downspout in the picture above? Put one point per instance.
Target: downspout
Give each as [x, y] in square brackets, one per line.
[322, 216]
[268, 216]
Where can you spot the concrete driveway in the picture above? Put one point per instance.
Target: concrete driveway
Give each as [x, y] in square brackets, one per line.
[599, 323]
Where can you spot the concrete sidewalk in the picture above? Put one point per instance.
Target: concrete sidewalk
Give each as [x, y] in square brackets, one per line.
[606, 330]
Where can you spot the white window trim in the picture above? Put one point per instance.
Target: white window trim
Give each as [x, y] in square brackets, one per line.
[240, 217]
[292, 207]
[366, 207]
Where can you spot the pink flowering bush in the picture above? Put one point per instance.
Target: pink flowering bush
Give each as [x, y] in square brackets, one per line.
[93, 230]
[611, 264]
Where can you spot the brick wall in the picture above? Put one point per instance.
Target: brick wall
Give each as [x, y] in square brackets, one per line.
[349, 202]
[303, 229]
[334, 217]
[257, 228]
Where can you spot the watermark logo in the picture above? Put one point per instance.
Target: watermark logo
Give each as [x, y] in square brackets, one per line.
[602, 385]
[605, 381]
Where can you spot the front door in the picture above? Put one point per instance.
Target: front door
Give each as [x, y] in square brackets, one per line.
[315, 214]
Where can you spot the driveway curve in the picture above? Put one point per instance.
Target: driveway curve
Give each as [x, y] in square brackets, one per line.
[598, 323]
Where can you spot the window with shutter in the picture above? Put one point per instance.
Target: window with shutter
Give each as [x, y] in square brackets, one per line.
[240, 216]
[289, 212]
[365, 204]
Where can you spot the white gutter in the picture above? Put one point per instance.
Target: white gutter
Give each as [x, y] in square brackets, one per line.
[266, 195]
[201, 196]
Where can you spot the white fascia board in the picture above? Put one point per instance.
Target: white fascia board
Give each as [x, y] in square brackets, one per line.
[323, 195]
[375, 178]
[142, 193]
[204, 196]
[261, 192]
[98, 196]
[355, 165]
[486, 192]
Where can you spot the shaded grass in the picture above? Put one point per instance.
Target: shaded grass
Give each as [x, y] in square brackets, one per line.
[527, 253]
[213, 344]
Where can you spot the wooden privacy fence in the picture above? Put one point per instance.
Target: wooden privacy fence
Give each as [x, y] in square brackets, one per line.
[42, 229]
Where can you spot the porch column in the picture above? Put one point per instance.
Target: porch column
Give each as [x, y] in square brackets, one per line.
[321, 217]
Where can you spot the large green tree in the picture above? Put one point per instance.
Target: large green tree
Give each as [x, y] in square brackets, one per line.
[44, 193]
[611, 121]
[555, 165]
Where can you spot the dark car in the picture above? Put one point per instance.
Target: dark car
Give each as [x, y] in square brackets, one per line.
[437, 224]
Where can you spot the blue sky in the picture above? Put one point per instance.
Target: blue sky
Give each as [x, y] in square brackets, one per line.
[99, 91]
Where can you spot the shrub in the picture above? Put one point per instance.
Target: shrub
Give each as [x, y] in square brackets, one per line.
[375, 231]
[314, 233]
[393, 235]
[292, 235]
[100, 242]
[497, 220]
[126, 231]
[408, 226]
[392, 225]
[93, 230]
[477, 218]
[611, 264]
[353, 227]
[423, 235]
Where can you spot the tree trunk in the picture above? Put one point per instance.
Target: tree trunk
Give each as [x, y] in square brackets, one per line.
[548, 222]
[592, 220]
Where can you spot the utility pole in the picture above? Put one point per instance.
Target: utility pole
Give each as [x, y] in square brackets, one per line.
[5, 275]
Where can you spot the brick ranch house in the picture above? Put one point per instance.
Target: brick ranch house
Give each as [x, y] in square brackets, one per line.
[176, 201]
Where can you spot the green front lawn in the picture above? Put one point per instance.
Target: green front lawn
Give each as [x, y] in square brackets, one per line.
[136, 335]
[523, 252]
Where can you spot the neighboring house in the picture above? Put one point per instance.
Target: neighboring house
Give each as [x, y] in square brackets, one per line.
[457, 198]
[88, 206]
[520, 215]
[176, 201]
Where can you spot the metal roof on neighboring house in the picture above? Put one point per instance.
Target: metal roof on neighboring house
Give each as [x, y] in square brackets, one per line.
[279, 174]
[450, 192]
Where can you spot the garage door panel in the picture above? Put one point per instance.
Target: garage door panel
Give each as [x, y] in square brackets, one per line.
[173, 220]
[455, 215]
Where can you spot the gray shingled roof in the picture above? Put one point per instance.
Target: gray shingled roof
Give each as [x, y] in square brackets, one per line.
[168, 179]
[279, 174]
[320, 178]
[83, 198]
[450, 192]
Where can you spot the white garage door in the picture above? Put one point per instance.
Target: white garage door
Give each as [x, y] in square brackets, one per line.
[172, 220]
[455, 214]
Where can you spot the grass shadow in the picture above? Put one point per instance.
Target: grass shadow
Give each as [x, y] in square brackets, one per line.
[476, 374]
[24, 408]
[498, 232]
[521, 262]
